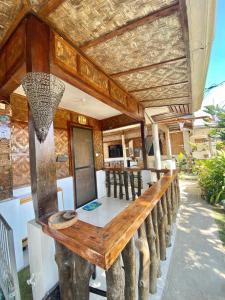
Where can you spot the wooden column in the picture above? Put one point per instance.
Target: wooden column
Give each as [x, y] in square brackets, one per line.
[143, 144]
[157, 154]
[42, 155]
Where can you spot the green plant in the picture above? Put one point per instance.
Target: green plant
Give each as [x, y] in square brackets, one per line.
[211, 175]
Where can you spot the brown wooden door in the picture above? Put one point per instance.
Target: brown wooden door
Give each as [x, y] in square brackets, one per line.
[84, 170]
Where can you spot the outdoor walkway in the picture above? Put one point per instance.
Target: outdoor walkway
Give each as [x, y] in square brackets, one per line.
[197, 266]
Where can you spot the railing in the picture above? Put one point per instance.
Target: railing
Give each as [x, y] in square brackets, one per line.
[145, 224]
[8, 273]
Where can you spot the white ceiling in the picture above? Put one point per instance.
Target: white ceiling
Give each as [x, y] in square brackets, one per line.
[78, 101]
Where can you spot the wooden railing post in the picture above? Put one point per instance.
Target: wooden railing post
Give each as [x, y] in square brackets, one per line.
[143, 278]
[155, 225]
[108, 183]
[151, 237]
[120, 185]
[139, 183]
[174, 203]
[83, 272]
[65, 260]
[162, 238]
[129, 261]
[132, 185]
[115, 281]
[169, 217]
[115, 184]
[125, 175]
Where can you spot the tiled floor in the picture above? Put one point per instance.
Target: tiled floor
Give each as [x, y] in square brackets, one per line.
[103, 214]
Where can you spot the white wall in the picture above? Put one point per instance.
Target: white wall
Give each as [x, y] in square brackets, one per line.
[18, 215]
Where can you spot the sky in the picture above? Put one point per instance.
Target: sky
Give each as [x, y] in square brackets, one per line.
[216, 71]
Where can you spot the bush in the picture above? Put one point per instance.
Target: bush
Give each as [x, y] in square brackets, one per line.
[211, 175]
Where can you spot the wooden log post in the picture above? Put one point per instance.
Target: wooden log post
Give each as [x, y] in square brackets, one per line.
[129, 261]
[83, 272]
[151, 237]
[143, 278]
[169, 217]
[173, 201]
[132, 185]
[125, 175]
[42, 154]
[165, 214]
[178, 191]
[115, 184]
[115, 281]
[108, 183]
[65, 260]
[120, 185]
[155, 225]
[162, 235]
[139, 183]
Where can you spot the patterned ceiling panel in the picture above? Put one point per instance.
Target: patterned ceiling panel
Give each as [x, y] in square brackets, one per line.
[86, 20]
[163, 92]
[148, 44]
[8, 11]
[158, 103]
[167, 73]
[37, 4]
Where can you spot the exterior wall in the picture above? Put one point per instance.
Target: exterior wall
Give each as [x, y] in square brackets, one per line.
[20, 141]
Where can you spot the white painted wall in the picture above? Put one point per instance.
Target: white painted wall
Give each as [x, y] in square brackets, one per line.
[43, 268]
[18, 215]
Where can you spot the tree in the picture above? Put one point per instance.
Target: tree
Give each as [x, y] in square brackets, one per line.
[217, 121]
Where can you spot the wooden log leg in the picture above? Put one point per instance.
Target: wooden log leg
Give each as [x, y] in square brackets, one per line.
[169, 217]
[143, 278]
[151, 237]
[162, 236]
[94, 273]
[115, 184]
[129, 262]
[178, 191]
[165, 213]
[120, 186]
[139, 183]
[66, 264]
[155, 224]
[132, 185]
[115, 281]
[125, 174]
[173, 200]
[83, 272]
[108, 183]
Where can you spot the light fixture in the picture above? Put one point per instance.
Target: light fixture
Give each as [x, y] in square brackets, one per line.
[44, 92]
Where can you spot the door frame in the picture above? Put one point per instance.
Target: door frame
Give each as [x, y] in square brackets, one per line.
[71, 126]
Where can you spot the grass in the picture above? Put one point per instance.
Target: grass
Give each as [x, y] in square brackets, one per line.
[219, 216]
[25, 289]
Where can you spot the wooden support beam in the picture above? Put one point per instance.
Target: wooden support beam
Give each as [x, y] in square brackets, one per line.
[49, 7]
[161, 13]
[42, 155]
[148, 67]
[143, 145]
[171, 98]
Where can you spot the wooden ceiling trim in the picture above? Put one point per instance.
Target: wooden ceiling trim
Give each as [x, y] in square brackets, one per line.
[145, 68]
[171, 98]
[158, 86]
[163, 12]
[49, 7]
